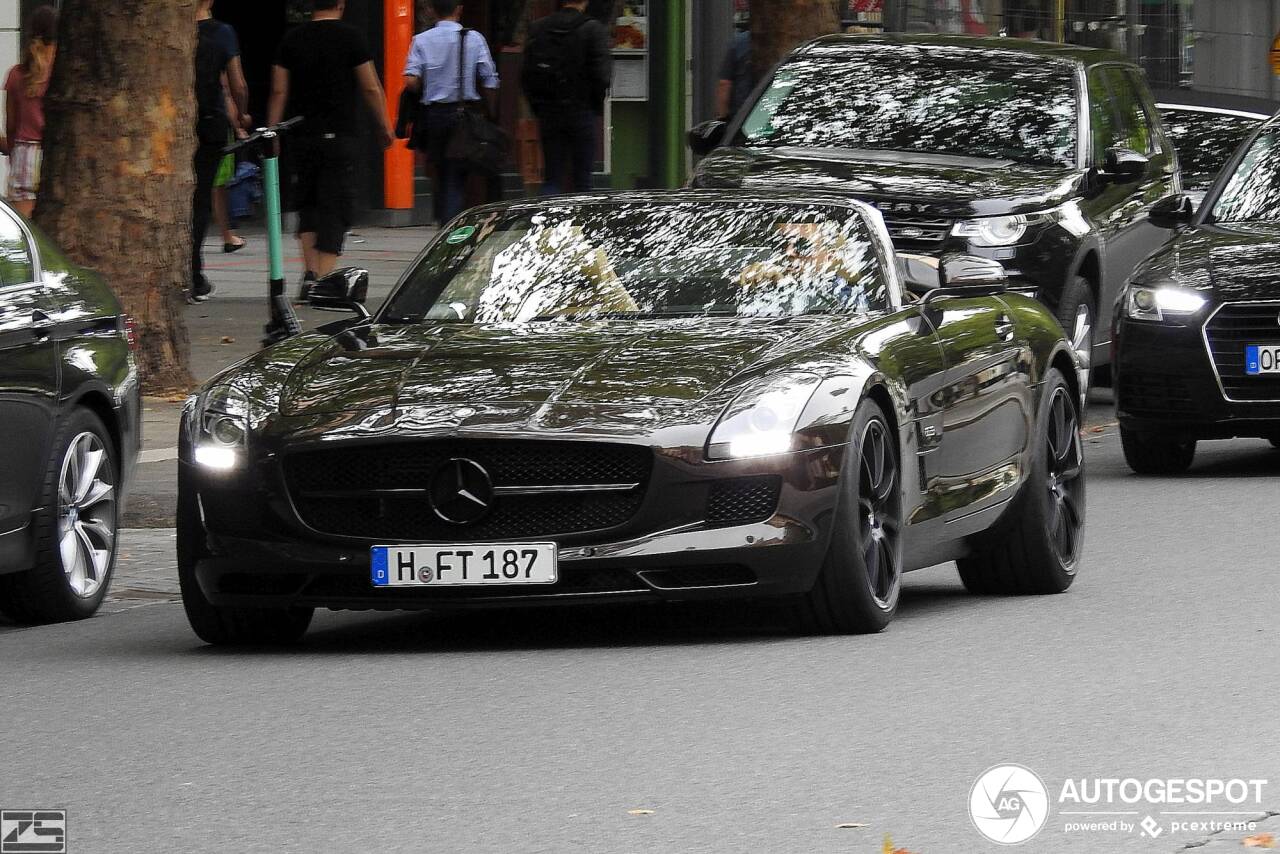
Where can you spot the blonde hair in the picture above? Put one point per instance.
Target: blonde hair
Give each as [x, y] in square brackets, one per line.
[41, 47]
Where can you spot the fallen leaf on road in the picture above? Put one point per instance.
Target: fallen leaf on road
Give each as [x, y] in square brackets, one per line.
[639, 812]
[847, 824]
[1259, 840]
[1097, 429]
[227, 339]
[889, 849]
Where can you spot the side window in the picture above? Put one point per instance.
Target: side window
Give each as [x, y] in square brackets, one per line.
[1104, 126]
[15, 255]
[1135, 126]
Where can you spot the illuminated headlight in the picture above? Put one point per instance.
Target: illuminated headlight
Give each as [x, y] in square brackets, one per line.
[763, 419]
[1154, 303]
[991, 231]
[221, 422]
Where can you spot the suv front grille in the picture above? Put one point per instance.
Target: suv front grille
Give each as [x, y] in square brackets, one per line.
[1233, 327]
[914, 232]
[541, 489]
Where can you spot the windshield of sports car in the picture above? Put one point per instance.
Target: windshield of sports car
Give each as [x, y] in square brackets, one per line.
[946, 101]
[646, 260]
[1253, 193]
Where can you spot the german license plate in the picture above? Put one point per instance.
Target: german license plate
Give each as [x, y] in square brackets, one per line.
[464, 565]
[1262, 359]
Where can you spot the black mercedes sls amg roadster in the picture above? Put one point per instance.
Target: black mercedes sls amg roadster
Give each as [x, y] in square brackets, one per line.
[642, 397]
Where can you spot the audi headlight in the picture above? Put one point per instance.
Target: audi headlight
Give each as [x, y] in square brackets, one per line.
[1142, 302]
[993, 231]
[220, 422]
[762, 420]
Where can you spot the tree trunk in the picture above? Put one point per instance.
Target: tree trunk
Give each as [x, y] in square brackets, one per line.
[117, 177]
[777, 26]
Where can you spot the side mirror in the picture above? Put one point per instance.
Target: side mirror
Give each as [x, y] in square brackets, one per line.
[342, 290]
[707, 136]
[920, 273]
[1123, 165]
[1171, 212]
[971, 273]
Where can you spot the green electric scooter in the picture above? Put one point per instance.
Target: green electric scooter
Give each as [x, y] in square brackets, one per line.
[283, 322]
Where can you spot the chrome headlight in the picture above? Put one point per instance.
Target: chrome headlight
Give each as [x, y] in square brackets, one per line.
[762, 420]
[994, 231]
[1155, 303]
[220, 428]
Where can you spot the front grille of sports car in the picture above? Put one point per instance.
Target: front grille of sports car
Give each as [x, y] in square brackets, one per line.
[742, 500]
[542, 489]
[1155, 395]
[917, 232]
[1233, 327]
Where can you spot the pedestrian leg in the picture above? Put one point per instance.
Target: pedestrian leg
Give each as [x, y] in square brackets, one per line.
[554, 155]
[206, 168]
[582, 149]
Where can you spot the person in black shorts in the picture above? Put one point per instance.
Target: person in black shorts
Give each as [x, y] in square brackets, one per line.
[322, 68]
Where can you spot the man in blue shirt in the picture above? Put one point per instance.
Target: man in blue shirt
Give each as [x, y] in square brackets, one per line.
[432, 69]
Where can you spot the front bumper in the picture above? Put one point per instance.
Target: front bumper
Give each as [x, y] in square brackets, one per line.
[256, 551]
[1165, 382]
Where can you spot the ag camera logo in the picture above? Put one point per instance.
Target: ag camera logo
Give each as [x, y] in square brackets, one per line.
[1008, 804]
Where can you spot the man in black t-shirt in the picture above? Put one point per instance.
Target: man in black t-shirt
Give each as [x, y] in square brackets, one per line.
[217, 60]
[323, 68]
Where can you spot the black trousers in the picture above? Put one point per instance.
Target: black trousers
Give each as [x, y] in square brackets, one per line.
[568, 149]
[206, 163]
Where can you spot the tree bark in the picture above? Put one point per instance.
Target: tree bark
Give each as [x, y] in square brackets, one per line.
[116, 186]
[777, 26]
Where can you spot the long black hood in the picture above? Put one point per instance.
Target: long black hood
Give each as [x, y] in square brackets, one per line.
[950, 186]
[1234, 263]
[599, 364]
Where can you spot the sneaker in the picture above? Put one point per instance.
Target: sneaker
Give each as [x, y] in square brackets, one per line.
[304, 289]
[202, 290]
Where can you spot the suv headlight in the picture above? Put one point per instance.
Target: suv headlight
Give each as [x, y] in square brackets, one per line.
[762, 420]
[1153, 303]
[220, 428]
[994, 231]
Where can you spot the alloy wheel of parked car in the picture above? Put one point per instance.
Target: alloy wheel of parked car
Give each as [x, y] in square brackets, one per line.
[1078, 315]
[857, 588]
[1036, 547]
[76, 529]
[86, 517]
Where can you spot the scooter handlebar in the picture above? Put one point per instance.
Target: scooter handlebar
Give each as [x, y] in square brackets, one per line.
[263, 133]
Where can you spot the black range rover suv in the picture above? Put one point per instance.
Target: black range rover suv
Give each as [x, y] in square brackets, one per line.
[1044, 157]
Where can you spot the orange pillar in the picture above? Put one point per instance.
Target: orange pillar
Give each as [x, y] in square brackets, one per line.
[398, 159]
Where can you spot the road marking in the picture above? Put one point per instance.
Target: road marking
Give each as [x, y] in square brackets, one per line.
[158, 455]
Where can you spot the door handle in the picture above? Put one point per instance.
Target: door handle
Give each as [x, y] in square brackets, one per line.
[41, 324]
[1004, 328]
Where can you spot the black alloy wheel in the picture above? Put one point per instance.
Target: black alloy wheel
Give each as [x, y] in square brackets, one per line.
[858, 586]
[1037, 545]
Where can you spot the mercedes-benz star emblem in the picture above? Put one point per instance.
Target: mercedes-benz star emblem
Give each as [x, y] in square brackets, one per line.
[461, 492]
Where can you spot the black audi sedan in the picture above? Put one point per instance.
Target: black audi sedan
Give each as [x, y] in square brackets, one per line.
[1206, 128]
[1198, 327]
[1042, 157]
[644, 397]
[69, 428]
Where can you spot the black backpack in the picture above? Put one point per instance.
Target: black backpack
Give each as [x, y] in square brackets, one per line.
[553, 60]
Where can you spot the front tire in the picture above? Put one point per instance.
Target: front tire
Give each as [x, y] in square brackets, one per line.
[1156, 453]
[1078, 314]
[857, 589]
[1036, 548]
[75, 529]
[224, 625]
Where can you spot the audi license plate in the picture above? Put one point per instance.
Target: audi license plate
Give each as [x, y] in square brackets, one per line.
[459, 566]
[1262, 359]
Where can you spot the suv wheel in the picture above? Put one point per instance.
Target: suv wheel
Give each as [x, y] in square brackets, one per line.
[1036, 547]
[1078, 314]
[1157, 453]
[75, 529]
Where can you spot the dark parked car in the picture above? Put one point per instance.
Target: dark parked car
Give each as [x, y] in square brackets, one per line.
[1043, 157]
[1198, 329]
[1206, 129]
[645, 397]
[69, 408]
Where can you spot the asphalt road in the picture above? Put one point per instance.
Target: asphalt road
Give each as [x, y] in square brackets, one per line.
[540, 732]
